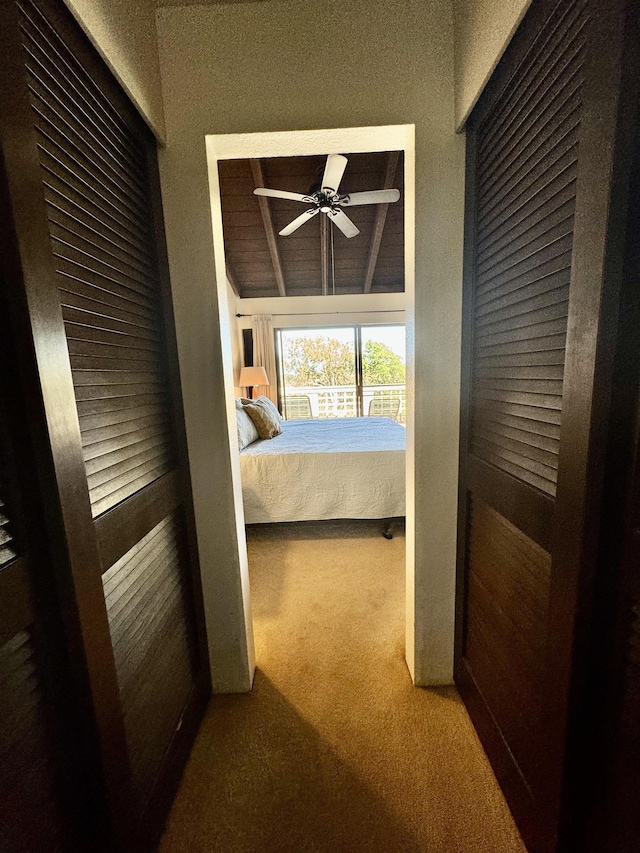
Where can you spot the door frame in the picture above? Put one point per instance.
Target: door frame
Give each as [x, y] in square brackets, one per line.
[305, 143]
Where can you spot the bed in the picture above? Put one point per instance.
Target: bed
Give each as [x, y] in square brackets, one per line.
[324, 469]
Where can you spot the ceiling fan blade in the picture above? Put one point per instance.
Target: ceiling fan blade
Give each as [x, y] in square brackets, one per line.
[372, 197]
[298, 221]
[282, 194]
[333, 172]
[343, 222]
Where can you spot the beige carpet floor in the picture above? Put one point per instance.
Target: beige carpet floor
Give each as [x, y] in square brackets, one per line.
[335, 750]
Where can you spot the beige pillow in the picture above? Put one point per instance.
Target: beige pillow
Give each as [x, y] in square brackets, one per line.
[270, 405]
[261, 414]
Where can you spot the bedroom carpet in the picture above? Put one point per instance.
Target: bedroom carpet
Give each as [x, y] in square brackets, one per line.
[334, 750]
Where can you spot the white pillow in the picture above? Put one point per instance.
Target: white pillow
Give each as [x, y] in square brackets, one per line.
[247, 432]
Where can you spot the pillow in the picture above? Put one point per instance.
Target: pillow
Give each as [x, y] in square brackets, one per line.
[261, 413]
[271, 406]
[247, 432]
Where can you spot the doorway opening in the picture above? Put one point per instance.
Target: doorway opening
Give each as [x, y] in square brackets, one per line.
[333, 310]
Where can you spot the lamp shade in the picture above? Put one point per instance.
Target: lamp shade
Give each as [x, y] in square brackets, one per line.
[250, 376]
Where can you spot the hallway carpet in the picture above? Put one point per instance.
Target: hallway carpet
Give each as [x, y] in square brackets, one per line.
[335, 750]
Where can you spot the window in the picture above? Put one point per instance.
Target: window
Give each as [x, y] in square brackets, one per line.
[342, 372]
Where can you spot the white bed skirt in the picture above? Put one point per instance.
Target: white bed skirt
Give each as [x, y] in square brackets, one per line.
[324, 469]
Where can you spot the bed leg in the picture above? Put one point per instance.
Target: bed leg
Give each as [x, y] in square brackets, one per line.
[386, 529]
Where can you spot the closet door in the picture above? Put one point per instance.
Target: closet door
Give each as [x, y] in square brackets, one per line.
[33, 767]
[84, 190]
[539, 327]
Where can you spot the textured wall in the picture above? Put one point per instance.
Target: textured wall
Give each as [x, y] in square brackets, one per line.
[483, 29]
[289, 65]
[124, 33]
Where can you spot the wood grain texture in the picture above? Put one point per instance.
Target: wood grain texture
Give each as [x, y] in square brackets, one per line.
[31, 809]
[151, 622]
[507, 605]
[379, 223]
[81, 184]
[526, 171]
[247, 249]
[65, 542]
[267, 222]
[96, 189]
[523, 174]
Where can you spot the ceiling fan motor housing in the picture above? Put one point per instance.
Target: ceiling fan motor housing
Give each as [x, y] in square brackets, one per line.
[326, 200]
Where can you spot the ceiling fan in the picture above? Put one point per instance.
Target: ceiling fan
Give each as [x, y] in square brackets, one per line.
[328, 200]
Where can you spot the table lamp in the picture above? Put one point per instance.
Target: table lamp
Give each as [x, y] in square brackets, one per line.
[250, 377]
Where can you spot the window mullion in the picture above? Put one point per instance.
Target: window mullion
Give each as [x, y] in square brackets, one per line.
[358, 357]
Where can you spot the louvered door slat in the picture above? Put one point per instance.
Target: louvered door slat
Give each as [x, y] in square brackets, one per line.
[110, 408]
[70, 209]
[529, 371]
[535, 227]
[103, 481]
[76, 103]
[110, 424]
[54, 132]
[543, 180]
[90, 248]
[78, 178]
[27, 775]
[87, 231]
[142, 441]
[96, 279]
[518, 428]
[526, 312]
[89, 97]
[107, 322]
[532, 81]
[125, 486]
[558, 191]
[540, 461]
[107, 308]
[62, 182]
[542, 128]
[82, 170]
[116, 388]
[99, 441]
[556, 128]
[7, 552]
[539, 235]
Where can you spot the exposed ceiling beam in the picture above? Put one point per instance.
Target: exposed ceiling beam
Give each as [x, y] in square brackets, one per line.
[265, 210]
[324, 253]
[232, 281]
[378, 225]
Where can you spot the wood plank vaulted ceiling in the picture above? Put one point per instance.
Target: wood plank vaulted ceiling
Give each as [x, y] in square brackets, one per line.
[261, 263]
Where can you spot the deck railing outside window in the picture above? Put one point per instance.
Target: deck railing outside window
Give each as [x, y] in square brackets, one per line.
[339, 401]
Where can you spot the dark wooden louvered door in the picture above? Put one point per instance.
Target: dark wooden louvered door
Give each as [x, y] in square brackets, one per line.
[32, 803]
[103, 330]
[540, 153]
